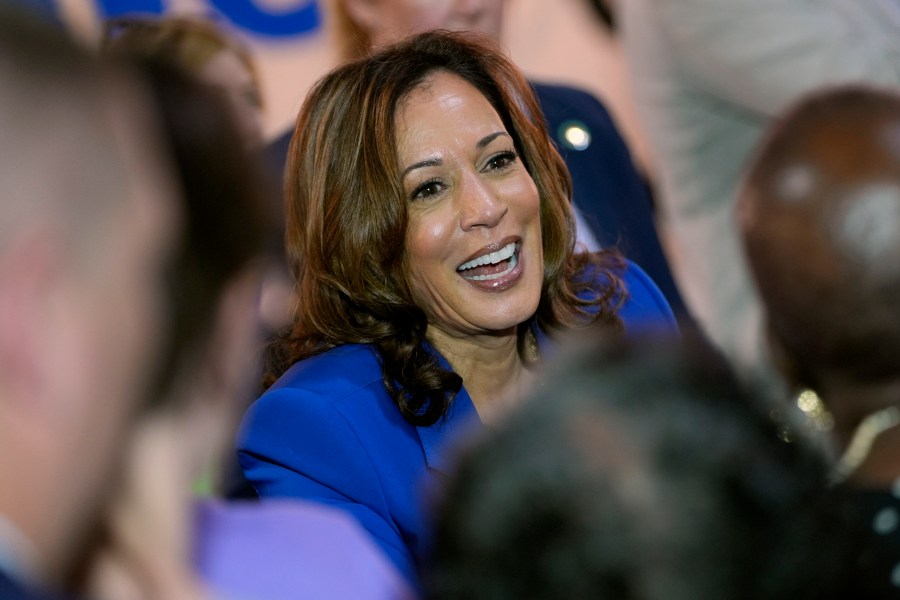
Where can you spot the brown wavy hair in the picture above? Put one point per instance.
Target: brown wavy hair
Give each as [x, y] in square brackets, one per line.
[346, 218]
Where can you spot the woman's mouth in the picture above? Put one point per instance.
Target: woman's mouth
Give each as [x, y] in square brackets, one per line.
[491, 266]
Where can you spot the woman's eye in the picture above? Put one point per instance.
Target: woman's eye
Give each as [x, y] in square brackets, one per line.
[428, 189]
[501, 160]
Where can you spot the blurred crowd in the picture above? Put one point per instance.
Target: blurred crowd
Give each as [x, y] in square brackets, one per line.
[445, 337]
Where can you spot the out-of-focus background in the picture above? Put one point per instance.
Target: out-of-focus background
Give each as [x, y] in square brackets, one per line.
[558, 42]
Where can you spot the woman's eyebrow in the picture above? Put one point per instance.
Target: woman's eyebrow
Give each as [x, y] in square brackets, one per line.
[428, 162]
[489, 138]
[436, 162]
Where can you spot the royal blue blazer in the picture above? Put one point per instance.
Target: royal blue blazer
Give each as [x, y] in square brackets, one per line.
[328, 431]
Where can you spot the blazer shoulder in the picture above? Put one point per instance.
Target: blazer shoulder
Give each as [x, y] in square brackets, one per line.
[323, 388]
[565, 92]
[642, 306]
[336, 373]
[645, 307]
[339, 393]
[573, 102]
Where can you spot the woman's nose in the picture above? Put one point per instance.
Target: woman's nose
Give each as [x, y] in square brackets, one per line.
[480, 205]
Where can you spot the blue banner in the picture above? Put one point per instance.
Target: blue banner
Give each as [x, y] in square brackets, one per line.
[245, 14]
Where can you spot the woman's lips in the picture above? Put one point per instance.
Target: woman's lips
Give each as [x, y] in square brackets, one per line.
[496, 270]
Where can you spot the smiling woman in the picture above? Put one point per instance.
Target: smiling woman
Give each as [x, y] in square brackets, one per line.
[431, 240]
[473, 239]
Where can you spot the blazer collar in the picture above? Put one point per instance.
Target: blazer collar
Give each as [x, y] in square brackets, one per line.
[461, 419]
[439, 439]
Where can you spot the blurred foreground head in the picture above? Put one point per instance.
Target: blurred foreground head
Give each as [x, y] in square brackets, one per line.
[820, 216]
[145, 548]
[635, 472]
[87, 217]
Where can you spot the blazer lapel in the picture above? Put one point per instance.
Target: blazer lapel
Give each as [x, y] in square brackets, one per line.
[439, 439]
[461, 418]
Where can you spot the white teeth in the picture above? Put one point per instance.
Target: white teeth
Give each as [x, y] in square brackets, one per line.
[491, 258]
[513, 261]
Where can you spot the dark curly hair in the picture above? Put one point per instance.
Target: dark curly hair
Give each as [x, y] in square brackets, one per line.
[346, 218]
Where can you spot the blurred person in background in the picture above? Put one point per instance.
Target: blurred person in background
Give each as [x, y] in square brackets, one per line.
[611, 200]
[205, 50]
[202, 48]
[636, 471]
[820, 218]
[160, 541]
[88, 214]
[709, 76]
[434, 258]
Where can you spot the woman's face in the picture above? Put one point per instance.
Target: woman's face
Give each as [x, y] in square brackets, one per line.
[387, 21]
[474, 236]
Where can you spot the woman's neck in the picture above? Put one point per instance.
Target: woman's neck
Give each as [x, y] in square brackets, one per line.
[492, 371]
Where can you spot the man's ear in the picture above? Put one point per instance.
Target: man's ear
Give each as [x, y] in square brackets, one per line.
[218, 381]
[364, 13]
[236, 336]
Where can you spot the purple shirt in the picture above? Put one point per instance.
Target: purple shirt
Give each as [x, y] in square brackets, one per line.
[289, 549]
